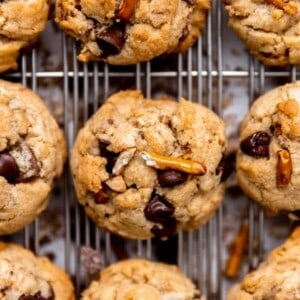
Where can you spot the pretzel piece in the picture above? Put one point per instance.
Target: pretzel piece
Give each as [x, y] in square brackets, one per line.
[238, 249]
[166, 162]
[284, 168]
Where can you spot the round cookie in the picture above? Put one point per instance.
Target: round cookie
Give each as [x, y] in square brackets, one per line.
[278, 277]
[26, 276]
[145, 168]
[269, 29]
[140, 279]
[21, 23]
[32, 154]
[268, 157]
[124, 32]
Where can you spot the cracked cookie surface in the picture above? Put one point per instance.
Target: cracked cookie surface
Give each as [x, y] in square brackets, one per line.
[124, 32]
[32, 154]
[21, 22]
[141, 279]
[269, 29]
[275, 278]
[141, 167]
[268, 161]
[26, 276]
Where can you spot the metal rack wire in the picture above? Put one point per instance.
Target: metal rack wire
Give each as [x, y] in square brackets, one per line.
[199, 75]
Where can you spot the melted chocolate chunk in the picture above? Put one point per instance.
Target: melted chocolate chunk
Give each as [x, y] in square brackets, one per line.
[8, 168]
[158, 209]
[101, 197]
[110, 156]
[226, 166]
[112, 39]
[168, 229]
[36, 296]
[257, 144]
[170, 178]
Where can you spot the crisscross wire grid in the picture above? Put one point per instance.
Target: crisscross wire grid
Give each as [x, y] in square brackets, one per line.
[216, 72]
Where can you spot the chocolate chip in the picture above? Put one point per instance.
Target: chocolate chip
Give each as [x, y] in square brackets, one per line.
[8, 167]
[36, 296]
[170, 178]
[158, 209]
[257, 144]
[110, 156]
[167, 229]
[226, 166]
[101, 197]
[112, 39]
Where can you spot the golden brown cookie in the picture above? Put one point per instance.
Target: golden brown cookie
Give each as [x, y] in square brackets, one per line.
[278, 277]
[145, 168]
[124, 32]
[268, 156]
[21, 22]
[269, 28]
[140, 279]
[32, 154]
[26, 276]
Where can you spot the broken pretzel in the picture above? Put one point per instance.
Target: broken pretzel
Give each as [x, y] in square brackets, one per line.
[166, 162]
[126, 10]
[238, 249]
[284, 168]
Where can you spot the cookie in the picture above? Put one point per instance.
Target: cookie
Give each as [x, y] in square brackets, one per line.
[268, 161]
[275, 278]
[131, 31]
[269, 29]
[32, 154]
[145, 168]
[21, 23]
[24, 276]
[141, 279]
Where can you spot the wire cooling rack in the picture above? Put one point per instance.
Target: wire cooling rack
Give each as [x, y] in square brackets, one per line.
[216, 72]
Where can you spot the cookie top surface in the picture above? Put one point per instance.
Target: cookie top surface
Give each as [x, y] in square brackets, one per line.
[141, 167]
[131, 31]
[24, 274]
[269, 28]
[275, 278]
[32, 153]
[21, 22]
[141, 279]
[268, 157]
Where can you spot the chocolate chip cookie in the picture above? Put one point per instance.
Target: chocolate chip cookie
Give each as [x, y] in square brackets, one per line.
[269, 28]
[145, 168]
[25, 276]
[32, 153]
[268, 156]
[275, 278]
[141, 279]
[21, 22]
[124, 32]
